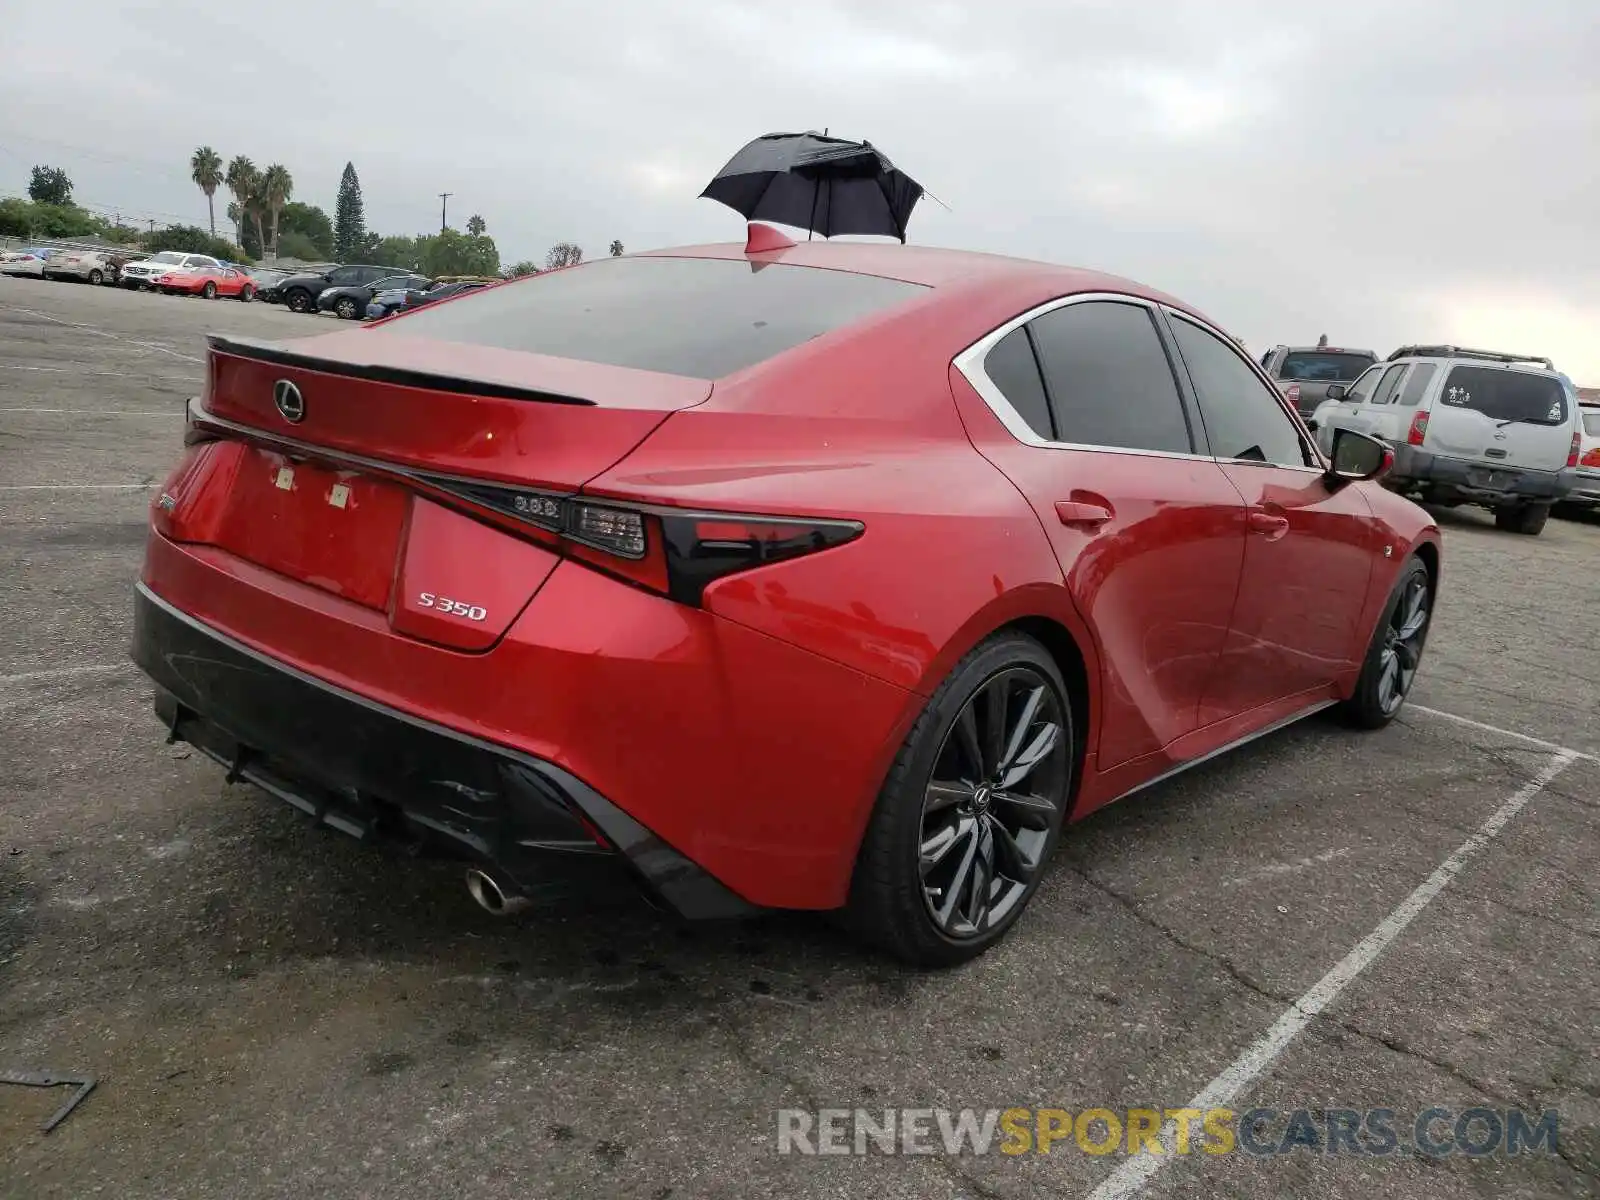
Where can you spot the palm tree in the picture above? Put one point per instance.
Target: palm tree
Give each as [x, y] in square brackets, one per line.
[476, 225]
[241, 180]
[277, 186]
[616, 249]
[205, 168]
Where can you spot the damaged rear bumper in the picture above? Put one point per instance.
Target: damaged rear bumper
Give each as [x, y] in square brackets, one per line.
[373, 772]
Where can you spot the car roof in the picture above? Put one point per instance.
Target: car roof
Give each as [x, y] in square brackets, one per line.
[1327, 350]
[1010, 285]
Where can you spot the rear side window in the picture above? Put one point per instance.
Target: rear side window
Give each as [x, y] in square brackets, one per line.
[1417, 383]
[1591, 423]
[1504, 395]
[700, 317]
[1013, 369]
[1386, 388]
[1323, 366]
[1108, 378]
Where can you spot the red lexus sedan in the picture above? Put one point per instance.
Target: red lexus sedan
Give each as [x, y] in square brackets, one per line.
[818, 576]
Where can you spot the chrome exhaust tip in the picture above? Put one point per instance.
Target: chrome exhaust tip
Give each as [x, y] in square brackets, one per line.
[492, 896]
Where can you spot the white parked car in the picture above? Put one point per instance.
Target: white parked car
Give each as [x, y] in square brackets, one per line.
[146, 271]
[93, 266]
[1585, 493]
[28, 261]
[1467, 427]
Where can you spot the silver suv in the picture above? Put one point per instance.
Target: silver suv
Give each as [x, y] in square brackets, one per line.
[1467, 427]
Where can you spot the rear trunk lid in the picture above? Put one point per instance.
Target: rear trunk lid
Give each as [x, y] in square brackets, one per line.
[1504, 417]
[339, 462]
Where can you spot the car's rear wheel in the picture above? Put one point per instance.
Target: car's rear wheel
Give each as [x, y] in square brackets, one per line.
[1522, 518]
[345, 309]
[1395, 651]
[971, 810]
[209, 291]
[298, 301]
[96, 278]
[247, 294]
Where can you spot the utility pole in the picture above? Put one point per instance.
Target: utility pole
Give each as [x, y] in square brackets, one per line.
[444, 200]
[152, 224]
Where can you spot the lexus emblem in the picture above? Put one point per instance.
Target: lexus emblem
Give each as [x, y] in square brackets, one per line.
[289, 401]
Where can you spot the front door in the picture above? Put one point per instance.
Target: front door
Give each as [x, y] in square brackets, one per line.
[1309, 551]
[1148, 530]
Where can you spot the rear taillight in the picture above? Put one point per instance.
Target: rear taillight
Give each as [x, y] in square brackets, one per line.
[1293, 393]
[1577, 448]
[1418, 430]
[1591, 459]
[666, 550]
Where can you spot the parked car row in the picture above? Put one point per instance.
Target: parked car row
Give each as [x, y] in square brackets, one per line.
[1504, 431]
[49, 262]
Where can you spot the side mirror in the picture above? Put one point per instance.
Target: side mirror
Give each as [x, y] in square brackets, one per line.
[1337, 391]
[1357, 456]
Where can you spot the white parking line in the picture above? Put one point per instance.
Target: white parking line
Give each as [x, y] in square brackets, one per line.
[67, 672]
[1510, 733]
[97, 412]
[1131, 1177]
[115, 337]
[78, 487]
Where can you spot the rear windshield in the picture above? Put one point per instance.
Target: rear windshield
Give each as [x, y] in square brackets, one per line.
[1591, 423]
[700, 317]
[1506, 395]
[1322, 366]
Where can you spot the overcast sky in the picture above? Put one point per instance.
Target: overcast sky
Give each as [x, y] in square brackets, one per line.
[1382, 173]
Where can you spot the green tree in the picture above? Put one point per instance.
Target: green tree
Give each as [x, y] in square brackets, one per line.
[394, 251]
[476, 225]
[349, 217]
[563, 254]
[455, 253]
[205, 168]
[277, 185]
[49, 185]
[616, 249]
[523, 269]
[292, 244]
[311, 223]
[243, 180]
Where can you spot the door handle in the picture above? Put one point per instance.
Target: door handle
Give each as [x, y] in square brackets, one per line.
[1077, 514]
[1270, 527]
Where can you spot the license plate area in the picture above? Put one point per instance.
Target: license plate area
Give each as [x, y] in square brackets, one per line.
[1484, 478]
[336, 530]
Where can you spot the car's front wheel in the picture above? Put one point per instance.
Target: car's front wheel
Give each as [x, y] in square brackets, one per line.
[1395, 651]
[246, 294]
[971, 810]
[346, 309]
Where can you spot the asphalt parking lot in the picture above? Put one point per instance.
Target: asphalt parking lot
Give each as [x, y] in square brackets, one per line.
[273, 1010]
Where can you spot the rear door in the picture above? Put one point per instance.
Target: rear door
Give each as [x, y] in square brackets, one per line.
[1310, 550]
[1148, 530]
[1503, 416]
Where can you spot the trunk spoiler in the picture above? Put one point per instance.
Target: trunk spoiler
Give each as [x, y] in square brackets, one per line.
[277, 353]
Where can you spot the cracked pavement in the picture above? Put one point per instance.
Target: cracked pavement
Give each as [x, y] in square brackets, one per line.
[274, 1010]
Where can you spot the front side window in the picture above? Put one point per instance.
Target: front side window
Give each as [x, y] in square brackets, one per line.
[1362, 388]
[1244, 418]
[1506, 396]
[1108, 379]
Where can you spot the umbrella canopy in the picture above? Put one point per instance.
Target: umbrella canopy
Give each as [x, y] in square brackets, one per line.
[824, 184]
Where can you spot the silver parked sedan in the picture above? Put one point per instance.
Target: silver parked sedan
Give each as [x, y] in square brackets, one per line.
[30, 260]
[94, 266]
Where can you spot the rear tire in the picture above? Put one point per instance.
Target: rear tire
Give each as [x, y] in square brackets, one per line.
[971, 810]
[1394, 653]
[1527, 519]
[96, 278]
[297, 301]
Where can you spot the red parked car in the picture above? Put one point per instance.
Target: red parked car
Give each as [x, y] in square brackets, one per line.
[812, 576]
[209, 282]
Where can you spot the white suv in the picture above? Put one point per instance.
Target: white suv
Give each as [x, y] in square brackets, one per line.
[1467, 427]
[146, 271]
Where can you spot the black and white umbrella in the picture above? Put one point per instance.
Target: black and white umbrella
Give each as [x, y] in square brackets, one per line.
[823, 184]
